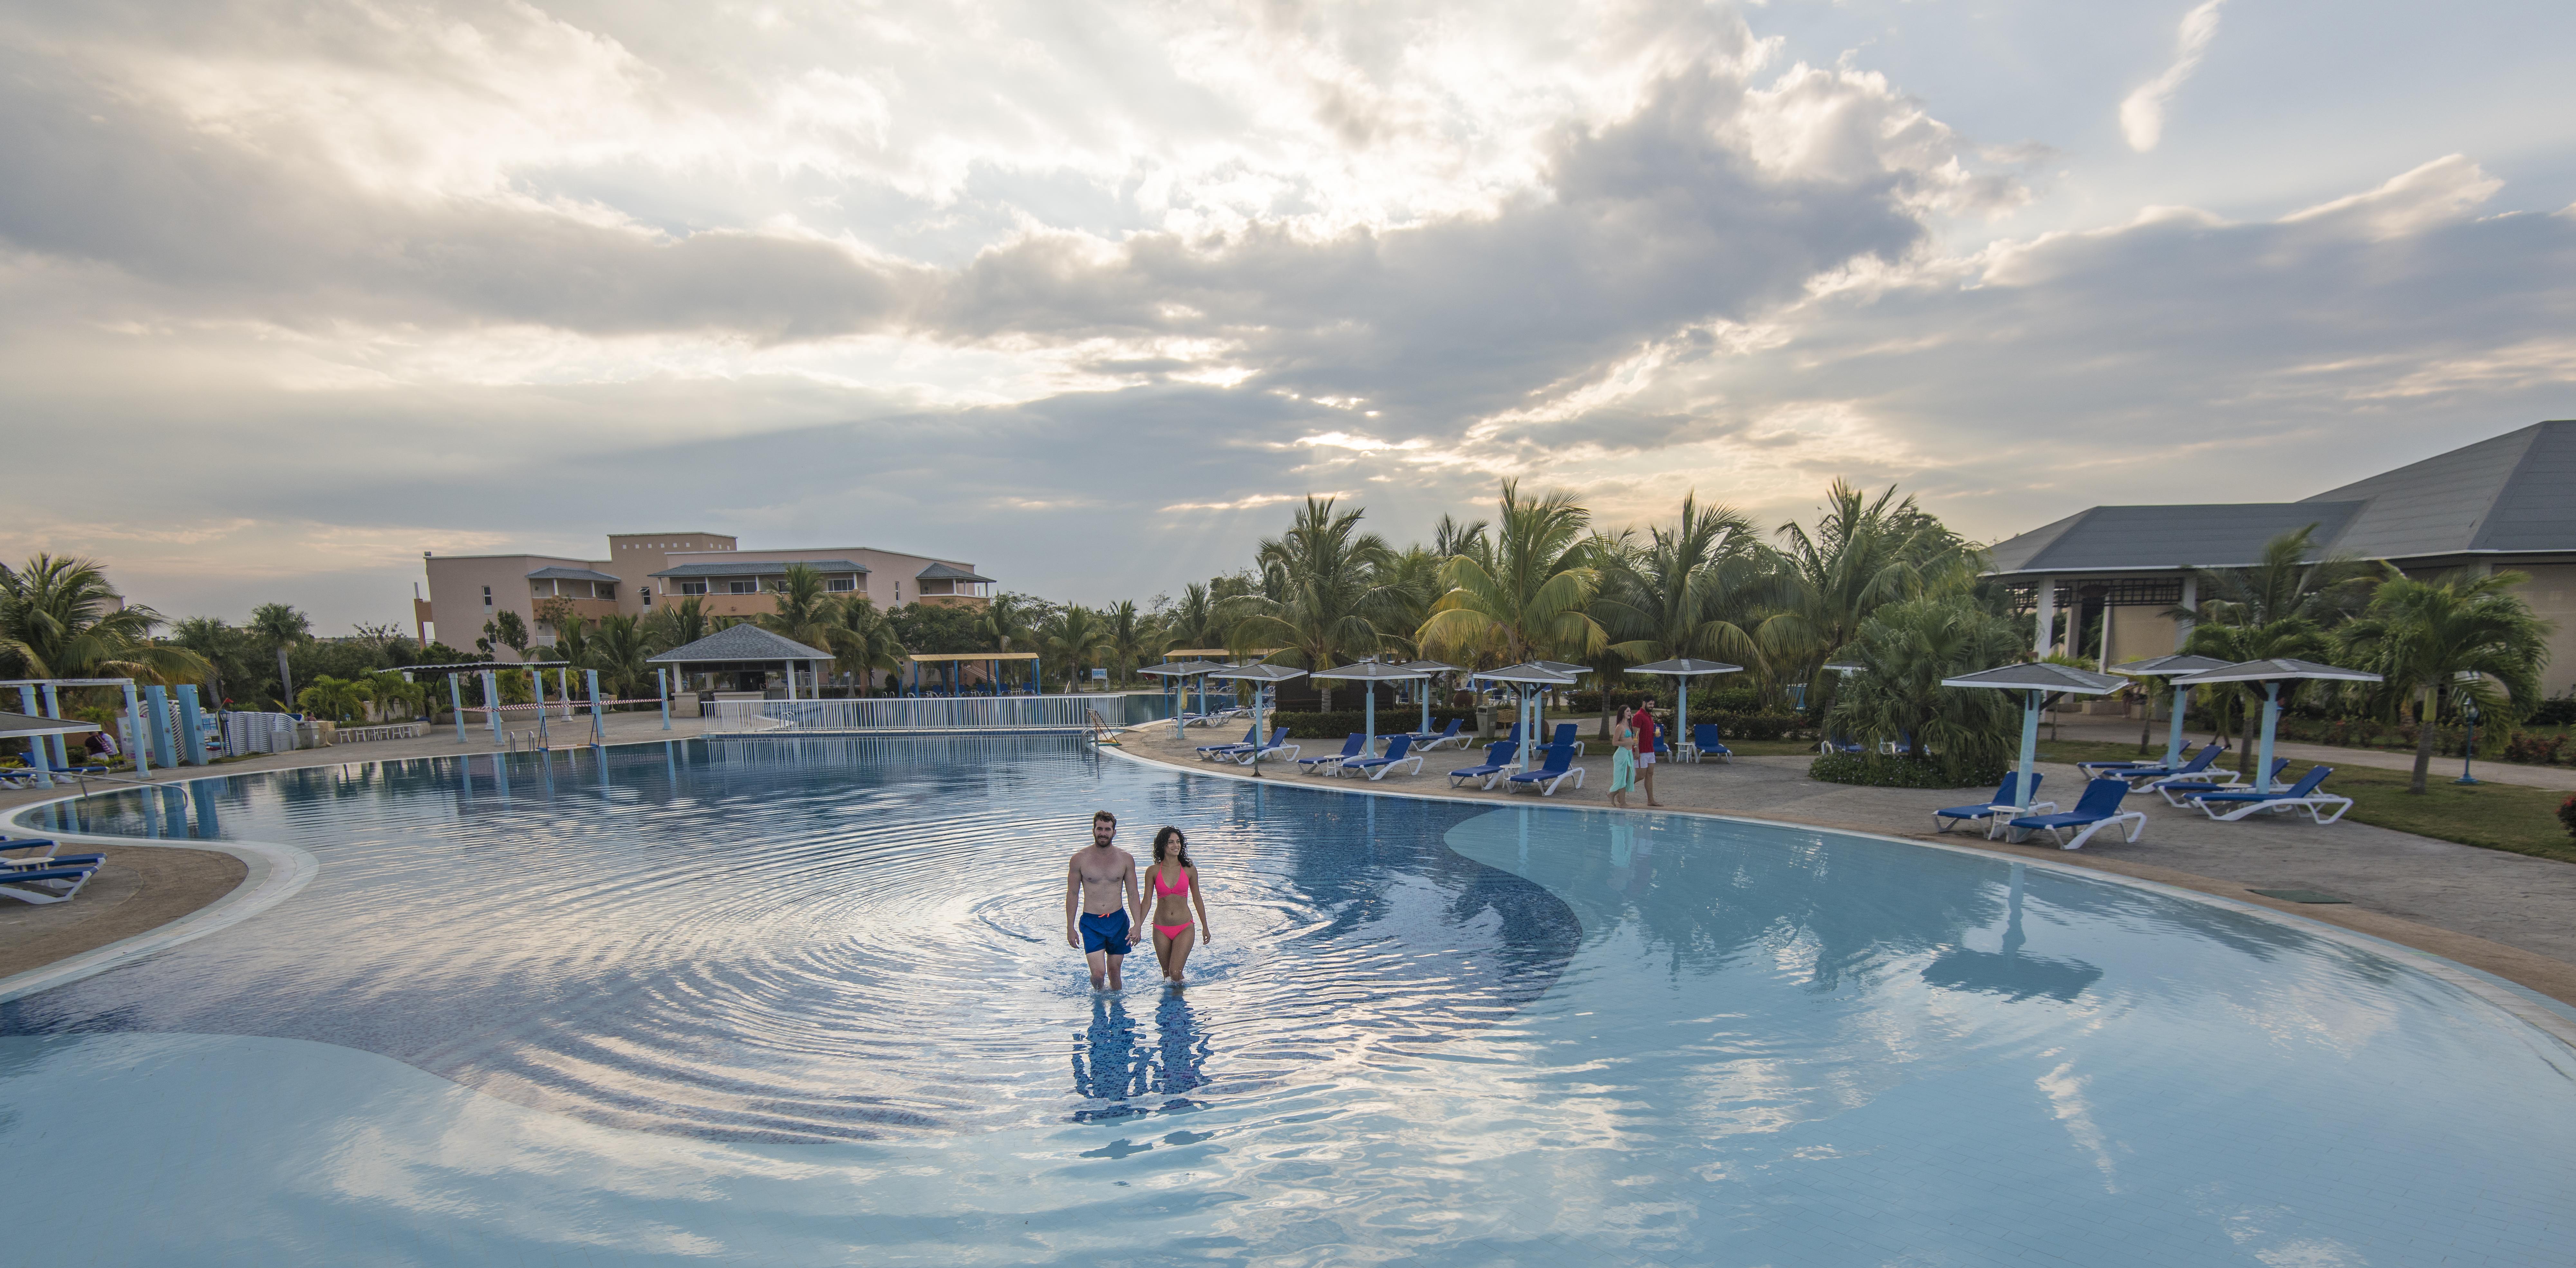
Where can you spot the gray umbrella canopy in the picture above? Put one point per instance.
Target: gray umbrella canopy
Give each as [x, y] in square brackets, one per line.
[2272, 673]
[1257, 673]
[1431, 666]
[17, 725]
[1182, 669]
[1374, 671]
[1563, 668]
[1685, 667]
[1533, 674]
[2278, 669]
[2040, 676]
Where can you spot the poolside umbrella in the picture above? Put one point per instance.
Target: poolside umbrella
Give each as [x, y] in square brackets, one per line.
[2170, 667]
[1683, 669]
[1429, 669]
[1522, 679]
[2036, 681]
[1263, 678]
[1176, 675]
[2272, 673]
[1371, 673]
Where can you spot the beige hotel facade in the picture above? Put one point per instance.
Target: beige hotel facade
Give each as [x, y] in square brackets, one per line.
[647, 570]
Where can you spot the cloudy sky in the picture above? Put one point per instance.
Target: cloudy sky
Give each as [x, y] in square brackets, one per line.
[1086, 293]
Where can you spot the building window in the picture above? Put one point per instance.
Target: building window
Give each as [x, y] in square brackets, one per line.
[487, 596]
[743, 587]
[693, 587]
[645, 593]
[841, 585]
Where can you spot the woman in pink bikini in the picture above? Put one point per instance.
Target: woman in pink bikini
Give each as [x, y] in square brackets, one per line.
[1175, 882]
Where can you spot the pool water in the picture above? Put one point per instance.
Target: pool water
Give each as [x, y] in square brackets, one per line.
[781, 1001]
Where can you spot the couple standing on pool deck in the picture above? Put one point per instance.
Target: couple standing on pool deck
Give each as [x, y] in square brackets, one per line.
[1100, 884]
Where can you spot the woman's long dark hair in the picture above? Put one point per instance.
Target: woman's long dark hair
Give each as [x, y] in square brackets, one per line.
[1163, 840]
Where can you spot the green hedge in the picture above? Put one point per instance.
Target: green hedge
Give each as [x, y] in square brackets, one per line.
[1306, 725]
[1879, 771]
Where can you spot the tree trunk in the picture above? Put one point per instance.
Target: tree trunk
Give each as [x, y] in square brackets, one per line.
[285, 681]
[2423, 742]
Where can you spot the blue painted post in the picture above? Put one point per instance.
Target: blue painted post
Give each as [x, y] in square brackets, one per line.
[37, 756]
[2173, 737]
[192, 726]
[2271, 722]
[662, 685]
[134, 732]
[54, 710]
[563, 679]
[456, 706]
[2029, 752]
[598, 724]
[492, 702]
[156, 706]
[537, 680]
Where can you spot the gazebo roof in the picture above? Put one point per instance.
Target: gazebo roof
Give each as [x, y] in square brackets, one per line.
[2040, 676]
[1182, 669]
[1685, 667]
[2167, 666]
[744, 642]
[2274, 670]
[1431, 666]
[1259, 673]
[1563, 667]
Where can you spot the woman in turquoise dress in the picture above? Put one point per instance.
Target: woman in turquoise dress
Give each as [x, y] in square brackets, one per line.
[1623, 760]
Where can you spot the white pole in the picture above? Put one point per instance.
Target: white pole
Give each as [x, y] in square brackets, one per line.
[662, 687]
[456, 705]
[2041, 642]
[492, 702]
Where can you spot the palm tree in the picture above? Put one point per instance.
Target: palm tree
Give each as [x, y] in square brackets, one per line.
[1129, 633]
[864, 641]
[1004, 619]
[1322, 589]
[621, 650]
[1529, 596]
[1449, 537]
[678, 624]
[2423, 636]
[59, 618]
[2282, 606]
[1197, 621]
[277, 627]
[1906, 648]
[1864, 553]
[805, 609]
[1075, 636]
[1411, 584]
[1685, 593]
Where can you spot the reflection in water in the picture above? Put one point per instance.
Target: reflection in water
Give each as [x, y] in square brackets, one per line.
[2011, 973]
[816, 939]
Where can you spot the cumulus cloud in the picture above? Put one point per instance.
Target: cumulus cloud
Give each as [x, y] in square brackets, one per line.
[2142, 112]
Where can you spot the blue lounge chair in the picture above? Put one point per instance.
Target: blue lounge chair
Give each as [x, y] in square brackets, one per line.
[1554, 772]
[1565, 738]
[1426, 741]
[1398, 749]
[1356, 746]
[52, 856]
[1219, 752]
[2193, 765]
[1903, 742]
[2302, 795]
[45, 884]
[2179, 791]
[1839, 744]
[2007, 798]
[1705, 741]
[1498, 759]
[1278, 744]
[2097, 809]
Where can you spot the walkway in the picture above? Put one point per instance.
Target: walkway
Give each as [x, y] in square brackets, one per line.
[2509, 914]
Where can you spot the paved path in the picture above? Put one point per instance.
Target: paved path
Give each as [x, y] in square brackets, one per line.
[2518, 912]
[2114, 731]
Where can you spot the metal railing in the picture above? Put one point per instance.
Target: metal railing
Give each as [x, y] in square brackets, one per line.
[969, 713]
[380, 731]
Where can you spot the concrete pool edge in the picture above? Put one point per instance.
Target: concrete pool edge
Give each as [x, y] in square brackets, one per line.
[2554, 1020]
[275, 873]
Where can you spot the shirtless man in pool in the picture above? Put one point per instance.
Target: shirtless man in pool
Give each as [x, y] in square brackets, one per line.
[1091, 886]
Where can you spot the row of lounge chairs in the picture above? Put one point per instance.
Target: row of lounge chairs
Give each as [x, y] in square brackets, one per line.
[2194, 785]
[49, 877]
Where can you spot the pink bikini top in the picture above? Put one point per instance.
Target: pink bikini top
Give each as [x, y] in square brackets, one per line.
[1156, 876]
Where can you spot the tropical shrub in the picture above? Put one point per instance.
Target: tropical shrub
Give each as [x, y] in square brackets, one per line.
[1905, 649]
[2567, 814]
[1878, 770]
[2537, 748]
[2555, 711]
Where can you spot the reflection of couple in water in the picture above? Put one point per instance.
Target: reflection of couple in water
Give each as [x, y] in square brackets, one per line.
[1100, 884]
[1110, 1065]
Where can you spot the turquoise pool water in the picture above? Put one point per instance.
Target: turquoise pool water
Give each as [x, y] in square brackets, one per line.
[769, 1001]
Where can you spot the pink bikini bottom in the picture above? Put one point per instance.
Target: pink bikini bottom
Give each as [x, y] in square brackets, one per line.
[1172, 931]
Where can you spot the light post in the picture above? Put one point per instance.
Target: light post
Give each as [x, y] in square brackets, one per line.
[2468, 714]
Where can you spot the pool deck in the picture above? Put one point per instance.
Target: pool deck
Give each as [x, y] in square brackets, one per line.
[2508, 914]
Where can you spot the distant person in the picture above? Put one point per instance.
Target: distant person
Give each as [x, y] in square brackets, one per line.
[99, 744]
[1623, 759]
[1092, 884]
[1175, 882]
[1646, 732]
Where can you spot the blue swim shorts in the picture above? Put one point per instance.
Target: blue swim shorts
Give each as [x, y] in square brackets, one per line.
[1104, 933]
